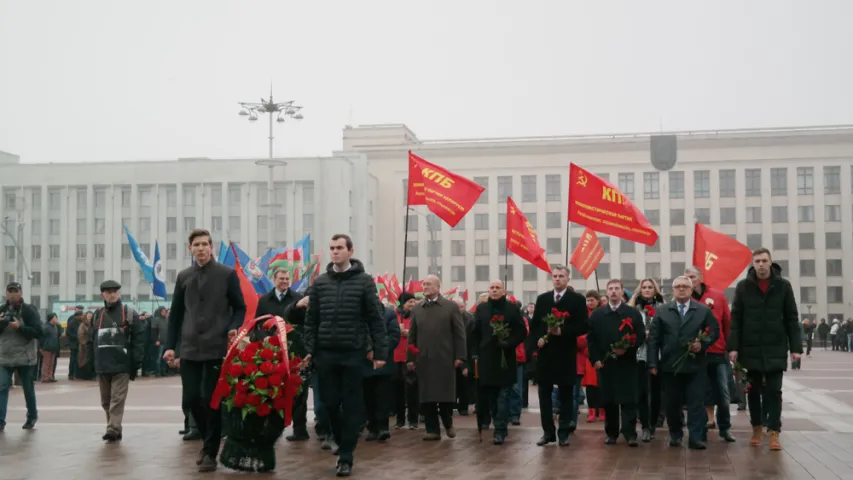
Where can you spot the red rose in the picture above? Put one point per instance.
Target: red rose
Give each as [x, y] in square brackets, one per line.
[279, 403]
[414, 349]
[263, 410]
[250, 369]
[274, 380]
[267, 368]
[274, 341]
[240, 400]
[253, 399]
[267, 354]
[242, 386]
[254, 347]
[223, 388]
[262, 383]
[235, 370]
[555, 311]
[281, 369]
[246, 356]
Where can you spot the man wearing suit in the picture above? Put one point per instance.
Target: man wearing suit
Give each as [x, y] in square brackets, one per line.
[681, 331]
[279, 302]
[556, 364]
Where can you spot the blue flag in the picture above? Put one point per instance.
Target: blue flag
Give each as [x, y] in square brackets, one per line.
[139, 256]
[158, 286]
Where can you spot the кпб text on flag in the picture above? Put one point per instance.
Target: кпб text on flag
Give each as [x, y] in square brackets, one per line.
[597, 204]
[720, 257]
[447, 195]
[588, 253]
[521, 238]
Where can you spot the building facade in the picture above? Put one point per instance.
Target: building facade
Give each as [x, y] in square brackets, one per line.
[63, 235]
[790, 190]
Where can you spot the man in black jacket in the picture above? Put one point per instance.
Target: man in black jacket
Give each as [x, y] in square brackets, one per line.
[676, 324]
[279, 302]
[207, 309]
[118, 336]
[20, 330]
[343, 309]
[765, 327]
[71, 328]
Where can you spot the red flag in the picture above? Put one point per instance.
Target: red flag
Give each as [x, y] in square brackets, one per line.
[415, 287]
[521, 238]
[588, 253]
[597, 204]
[250, 296]
[445, 194]
[720, 257]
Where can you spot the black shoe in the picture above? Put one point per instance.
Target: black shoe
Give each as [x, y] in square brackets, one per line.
[343, 470]
[516, 421]
[110, 436]
[563, 440]
[399, 425]
[674, 442]
[192, 436]
[546, 439]
[660, 422]
[646, 437]
[184, 431]
[463, 413]
[573, 426]
[384, 435]
[372, 437]
[29, 424]
[632, 442]
[297, 437]
[741, 408]
[200, 457]
[328, 443]
[499, 438]
[610, 441]
[711, 426]
[2, 427]
[727, 436]
[208, 464]
[413, 425]
[696, 445]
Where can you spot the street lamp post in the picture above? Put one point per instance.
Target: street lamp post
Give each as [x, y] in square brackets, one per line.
[283, 111]
[17, 237]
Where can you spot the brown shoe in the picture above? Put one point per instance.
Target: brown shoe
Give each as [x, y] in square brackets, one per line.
[774, 441]
[432, 437]
[757, 435]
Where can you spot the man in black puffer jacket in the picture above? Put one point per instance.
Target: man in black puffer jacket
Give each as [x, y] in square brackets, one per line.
[765, 327]
[343, 309]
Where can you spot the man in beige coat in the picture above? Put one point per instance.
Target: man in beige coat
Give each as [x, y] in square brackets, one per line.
[436, 350]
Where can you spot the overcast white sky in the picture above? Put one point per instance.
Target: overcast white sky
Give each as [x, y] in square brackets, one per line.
[105, 80]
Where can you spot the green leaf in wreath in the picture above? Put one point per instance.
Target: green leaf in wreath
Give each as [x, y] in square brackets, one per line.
[245, 412]
[281, 413]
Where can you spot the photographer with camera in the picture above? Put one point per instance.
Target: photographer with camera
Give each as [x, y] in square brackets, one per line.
[20, 330]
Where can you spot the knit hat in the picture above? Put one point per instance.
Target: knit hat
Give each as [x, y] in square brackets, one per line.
[405, 297]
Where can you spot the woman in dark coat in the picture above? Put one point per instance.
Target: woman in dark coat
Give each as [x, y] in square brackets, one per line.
[496, 363]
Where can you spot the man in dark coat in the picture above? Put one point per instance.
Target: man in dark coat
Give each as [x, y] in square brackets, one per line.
[377, 383]
[556, 359]
[71, 328]
[495, 357]
[682, 330]
[119, 340]
[278, 302]
[343, 311]
[465, 388]
[20, 331]
[765, 327]
[618, 379]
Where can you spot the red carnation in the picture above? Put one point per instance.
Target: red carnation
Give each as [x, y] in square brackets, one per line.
[254, 347]
[262, 383]
[240, 400]
[253, 399]
[414, 349]
[267, 368]
[246, 356]
[242, 386]
[263, 409]
[235, 370]
[250, 369]
[274, 380]
[281, 369]
[274, 341]
[279, 403]
[223, 388]
[267, 354]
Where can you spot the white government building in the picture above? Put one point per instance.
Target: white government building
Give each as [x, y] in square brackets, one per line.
[790, 190]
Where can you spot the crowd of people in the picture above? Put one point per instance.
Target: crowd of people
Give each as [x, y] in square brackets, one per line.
[629, 358]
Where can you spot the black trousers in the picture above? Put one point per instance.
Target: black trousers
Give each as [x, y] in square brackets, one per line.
[689, 389]
[72, 362]
[300, 412]
[340, 377]
[620, 414]
[198, 380]
[546, 408]
[809, 346]
[656, 396]
[464, 385]
[593, 398]
[647, 420]
[405, 400]
[490, 408]
[765, 399]
[433, 411]
[377, 401]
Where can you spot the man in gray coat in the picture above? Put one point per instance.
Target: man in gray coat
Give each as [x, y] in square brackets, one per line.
[20, 330]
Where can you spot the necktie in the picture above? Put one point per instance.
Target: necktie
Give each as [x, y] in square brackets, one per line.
[557, 298]
[681, 308]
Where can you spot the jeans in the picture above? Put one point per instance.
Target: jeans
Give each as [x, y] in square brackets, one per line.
[27, 375]
[718, 393]
[765, 400]
[492, 407]
[322, 427]
[514, 394]
[578, 397]
[555, 401]
[850, 342]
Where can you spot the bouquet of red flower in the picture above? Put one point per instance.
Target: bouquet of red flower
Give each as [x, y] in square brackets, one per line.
[627, 341]
[258, 383]
[650, 312]
[555, 319]
[500, 330]
[704, 336]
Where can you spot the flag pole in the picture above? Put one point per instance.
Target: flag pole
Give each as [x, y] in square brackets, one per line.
[595, 272]
[567, 243]
[406, 238]
[506, 262]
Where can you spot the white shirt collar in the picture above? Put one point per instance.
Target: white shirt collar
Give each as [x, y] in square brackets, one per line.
[686, 304]
[614, 307]
[560, 294]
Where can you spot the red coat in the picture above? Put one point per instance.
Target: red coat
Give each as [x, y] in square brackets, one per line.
[716, 301]
[590, 376]
[520, 353]
[400, 352]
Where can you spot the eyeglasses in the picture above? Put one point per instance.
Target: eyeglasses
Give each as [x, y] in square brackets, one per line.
[682, 286]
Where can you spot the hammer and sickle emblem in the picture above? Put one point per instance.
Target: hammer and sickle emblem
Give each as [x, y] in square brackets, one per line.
[710, 258]
[512, 210]
[582, 179]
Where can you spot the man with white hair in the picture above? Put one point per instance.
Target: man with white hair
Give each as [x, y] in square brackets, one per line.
[683, 321]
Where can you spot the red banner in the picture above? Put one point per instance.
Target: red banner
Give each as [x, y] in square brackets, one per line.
[588, 253]
[720, 257]
[445, 194]
[521, 238]
[250, 296]
[597, 204]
